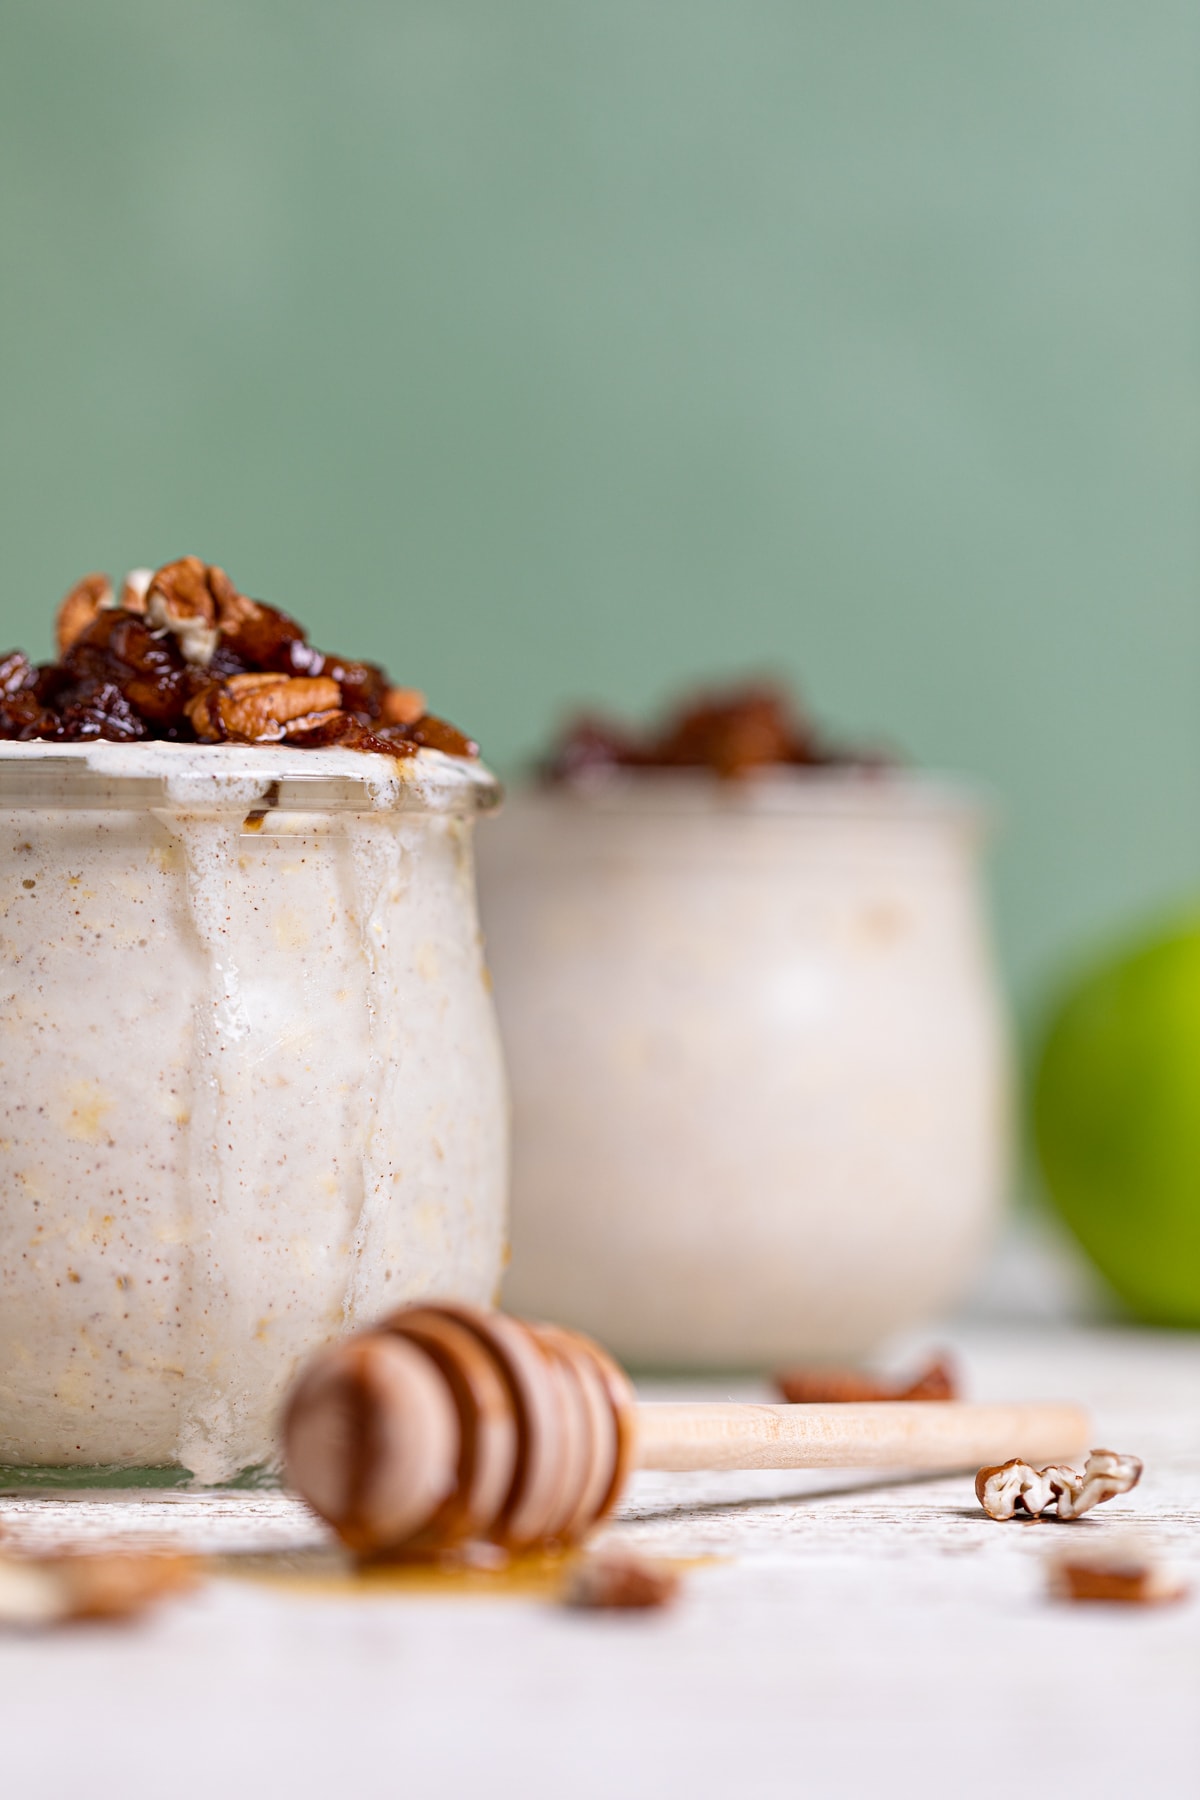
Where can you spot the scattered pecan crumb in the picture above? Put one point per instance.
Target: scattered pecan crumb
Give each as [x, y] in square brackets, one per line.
[621, 1581]
[55, 1590]
[1118, 1570]
[1014, 1487]
[818, 1386]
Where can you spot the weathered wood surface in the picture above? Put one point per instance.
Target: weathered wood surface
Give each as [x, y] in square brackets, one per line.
[852, 1635]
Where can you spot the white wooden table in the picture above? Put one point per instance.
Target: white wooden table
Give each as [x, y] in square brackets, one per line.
[849, 1636]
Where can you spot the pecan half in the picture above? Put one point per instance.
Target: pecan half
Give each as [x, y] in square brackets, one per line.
[262, 708]
[185, 597]
[80, 608]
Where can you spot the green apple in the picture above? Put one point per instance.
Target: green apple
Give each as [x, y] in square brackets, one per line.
[1116, 1116]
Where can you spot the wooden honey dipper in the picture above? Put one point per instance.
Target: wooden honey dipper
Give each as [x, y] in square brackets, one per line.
[446, 1423]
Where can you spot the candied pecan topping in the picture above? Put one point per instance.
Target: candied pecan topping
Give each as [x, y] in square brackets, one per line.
[730, 733]
[823, 1386]
[183, 655]
[121, 648]
[22, 713]
[98, 709]
[262, 708]
[364, 685]
[260, 634]
[80, 607]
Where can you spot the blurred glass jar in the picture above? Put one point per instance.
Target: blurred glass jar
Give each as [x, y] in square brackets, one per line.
[757, 1059]
[250, 1084]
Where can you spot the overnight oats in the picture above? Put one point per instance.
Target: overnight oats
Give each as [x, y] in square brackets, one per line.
[755, 1046]
[250, 1085]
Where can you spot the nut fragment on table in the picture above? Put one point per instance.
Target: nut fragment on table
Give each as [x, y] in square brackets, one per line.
[56, 1590]
[1014, 1487]
[819, 1386]
[619, 1580]
[1121, 1570]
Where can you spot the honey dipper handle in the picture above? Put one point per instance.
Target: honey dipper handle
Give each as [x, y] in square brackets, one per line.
[899, 1434]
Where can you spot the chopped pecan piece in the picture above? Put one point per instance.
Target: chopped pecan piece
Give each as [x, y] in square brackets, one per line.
[620, 1580]
[342, 731]
[1121, 1570]
[439, 734]
[818, 1386]
[262, 708]
[402, 706]
[55, 1590]
[86, 600]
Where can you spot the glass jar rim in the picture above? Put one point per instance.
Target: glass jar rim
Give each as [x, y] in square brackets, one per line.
[232, 778]
[819, 791]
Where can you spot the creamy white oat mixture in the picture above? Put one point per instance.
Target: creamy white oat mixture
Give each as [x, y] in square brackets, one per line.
[250, 1086]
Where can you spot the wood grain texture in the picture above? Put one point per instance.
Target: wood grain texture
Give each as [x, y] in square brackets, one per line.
[892, 1434]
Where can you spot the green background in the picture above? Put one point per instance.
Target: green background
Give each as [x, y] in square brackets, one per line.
[578, 348]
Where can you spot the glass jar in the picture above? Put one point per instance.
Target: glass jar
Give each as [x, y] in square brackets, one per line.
[251, 1092]
[757, 1059]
